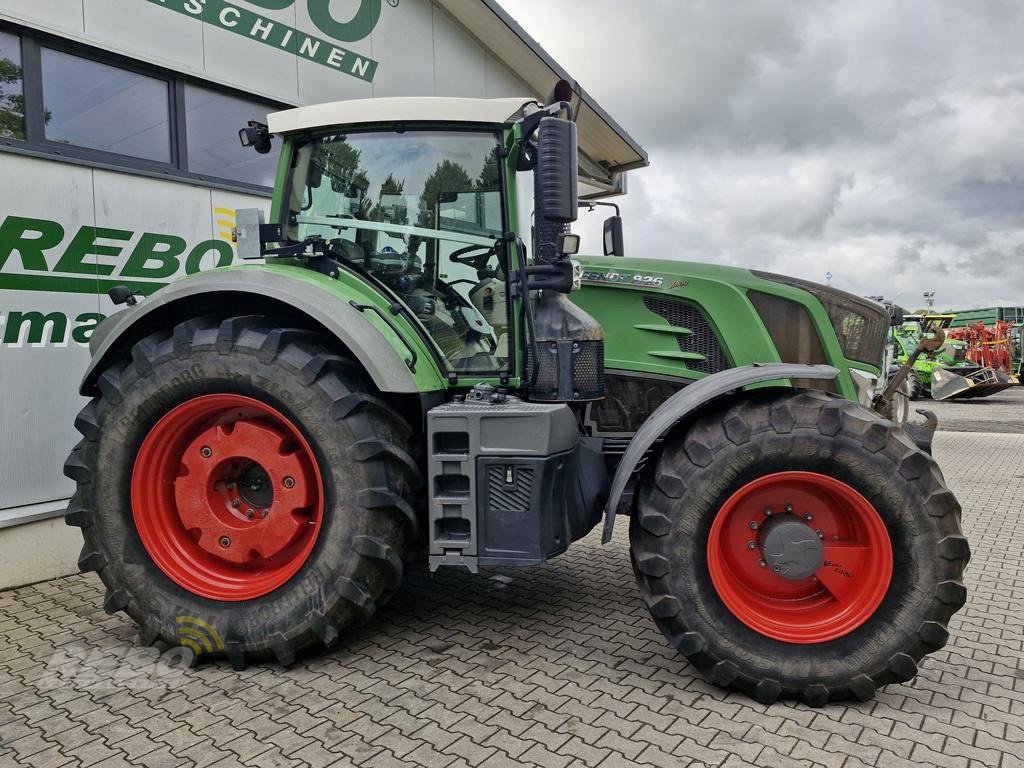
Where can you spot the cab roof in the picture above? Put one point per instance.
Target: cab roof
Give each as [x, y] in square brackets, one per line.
[431, 109]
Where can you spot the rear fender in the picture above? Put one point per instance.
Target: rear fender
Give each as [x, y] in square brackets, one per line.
[385, 344]
[685, 402]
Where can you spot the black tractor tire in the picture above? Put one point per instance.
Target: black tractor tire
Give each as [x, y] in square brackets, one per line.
[360, 446]
[702, 466]
[916, 385]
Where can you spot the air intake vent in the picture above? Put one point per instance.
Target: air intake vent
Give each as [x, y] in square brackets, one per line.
[702, 339]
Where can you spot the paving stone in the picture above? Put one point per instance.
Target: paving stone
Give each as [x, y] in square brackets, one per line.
[561, 666]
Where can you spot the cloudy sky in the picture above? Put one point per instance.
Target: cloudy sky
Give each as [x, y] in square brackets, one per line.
[878, 141]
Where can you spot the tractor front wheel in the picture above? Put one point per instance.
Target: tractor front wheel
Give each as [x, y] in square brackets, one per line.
[798, 546]
[241, 490]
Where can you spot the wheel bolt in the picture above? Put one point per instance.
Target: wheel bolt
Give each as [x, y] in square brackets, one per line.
[767, 511]
[762, 563]
[225, 542]
[808, 516]
[776, 568]
[751, 545]
[264, 512]
[206, 452]
[753, 525]
[788, 509]
[289, 482]
[235, 503]
[249, 513]
[820, 534]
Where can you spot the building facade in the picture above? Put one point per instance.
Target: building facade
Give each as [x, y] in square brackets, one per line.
[121, 165]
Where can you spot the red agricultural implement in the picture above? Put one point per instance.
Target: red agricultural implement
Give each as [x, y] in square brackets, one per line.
[990, 346]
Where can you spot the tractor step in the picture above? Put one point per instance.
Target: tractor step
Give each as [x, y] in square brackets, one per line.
[504, 482]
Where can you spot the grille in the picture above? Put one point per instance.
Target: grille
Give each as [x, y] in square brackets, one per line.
[587, 362]
[588, 370]
[703, 341]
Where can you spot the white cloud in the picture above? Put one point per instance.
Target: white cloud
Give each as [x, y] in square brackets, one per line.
[879, 141]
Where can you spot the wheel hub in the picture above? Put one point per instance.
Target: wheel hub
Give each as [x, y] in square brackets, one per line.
[799, 557]
[232, 497]
[227, 497]
[790, 547]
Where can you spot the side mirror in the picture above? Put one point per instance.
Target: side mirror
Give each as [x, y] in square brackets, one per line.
[557, 171]
[613, 237]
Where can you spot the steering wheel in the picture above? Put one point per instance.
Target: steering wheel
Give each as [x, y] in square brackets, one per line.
[477, 261]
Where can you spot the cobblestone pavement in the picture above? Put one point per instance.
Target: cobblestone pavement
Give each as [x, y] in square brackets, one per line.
[553, 666]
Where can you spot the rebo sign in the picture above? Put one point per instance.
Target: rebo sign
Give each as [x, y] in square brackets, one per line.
[236, 18]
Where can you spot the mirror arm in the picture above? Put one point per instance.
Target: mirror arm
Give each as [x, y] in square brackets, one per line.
[591, 204]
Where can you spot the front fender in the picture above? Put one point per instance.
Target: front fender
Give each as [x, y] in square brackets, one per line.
[686, 401]
[375, 343]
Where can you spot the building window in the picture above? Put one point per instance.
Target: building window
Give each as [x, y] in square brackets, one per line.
[12, 99]
[212, 120]
[94, 105]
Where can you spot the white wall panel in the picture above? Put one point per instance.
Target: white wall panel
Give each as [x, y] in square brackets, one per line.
[146, 31]
[502, 82]
[58, 15]
[252, 64]
[403, 43]
[39, 382]
[458, 59]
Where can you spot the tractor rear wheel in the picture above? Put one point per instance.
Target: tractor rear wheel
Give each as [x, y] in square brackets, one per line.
[240, 490]
[798, 546]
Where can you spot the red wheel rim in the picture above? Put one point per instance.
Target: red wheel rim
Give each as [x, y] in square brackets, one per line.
[841, 594]
[227, 497]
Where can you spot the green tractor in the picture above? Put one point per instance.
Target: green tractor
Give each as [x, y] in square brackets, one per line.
[413, 368]
[951, 356]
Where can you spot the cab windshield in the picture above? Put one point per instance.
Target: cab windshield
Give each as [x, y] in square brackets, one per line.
[421, 211]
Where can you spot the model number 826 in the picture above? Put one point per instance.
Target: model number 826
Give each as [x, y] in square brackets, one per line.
[622, 278]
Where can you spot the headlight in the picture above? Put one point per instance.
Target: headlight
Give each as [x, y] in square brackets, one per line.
[861, 325]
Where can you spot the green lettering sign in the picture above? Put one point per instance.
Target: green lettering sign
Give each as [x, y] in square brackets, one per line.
[164, 250]
[242, 21]
[36, 323]
[15, 236]
[194, 261]
[84, 243]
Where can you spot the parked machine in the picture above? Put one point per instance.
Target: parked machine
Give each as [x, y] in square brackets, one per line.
[957, 369]
[990, 346]
[413, 367]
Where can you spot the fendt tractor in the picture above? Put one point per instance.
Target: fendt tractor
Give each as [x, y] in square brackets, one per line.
[413, 368]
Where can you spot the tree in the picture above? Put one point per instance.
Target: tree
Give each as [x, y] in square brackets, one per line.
[489, 179]
[12, 105]
[448, 178]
